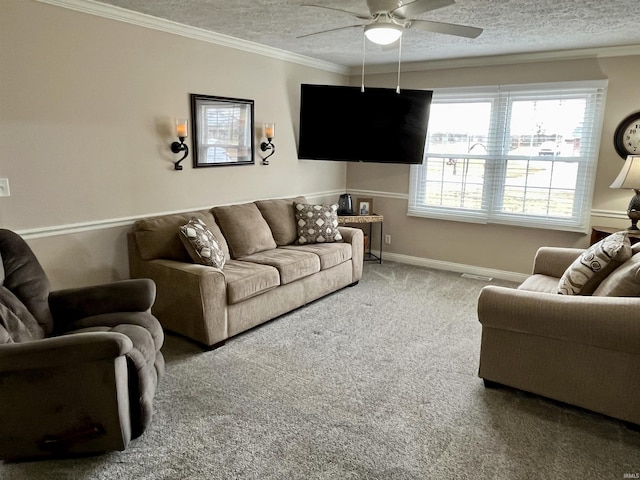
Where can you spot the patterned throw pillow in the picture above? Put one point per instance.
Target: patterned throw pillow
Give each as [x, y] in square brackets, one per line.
[201, 244]
[585, 274]
[317, 223]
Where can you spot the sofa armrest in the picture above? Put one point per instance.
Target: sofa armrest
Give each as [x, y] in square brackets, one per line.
[73, 304]
[355, 237]
[65, 395]
[192, 298]
[553, 261]
[66, 350]
[606, 322]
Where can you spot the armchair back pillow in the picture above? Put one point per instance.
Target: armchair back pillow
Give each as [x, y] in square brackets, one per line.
[624, 281]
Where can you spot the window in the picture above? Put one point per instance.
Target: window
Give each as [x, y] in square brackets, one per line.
[521, 155]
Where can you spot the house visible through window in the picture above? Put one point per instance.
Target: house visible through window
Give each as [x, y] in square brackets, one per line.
[521, 155]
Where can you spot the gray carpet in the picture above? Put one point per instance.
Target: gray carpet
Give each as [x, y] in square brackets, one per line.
[378, 381]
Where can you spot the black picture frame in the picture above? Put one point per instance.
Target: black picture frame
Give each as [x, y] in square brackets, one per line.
[222, 131]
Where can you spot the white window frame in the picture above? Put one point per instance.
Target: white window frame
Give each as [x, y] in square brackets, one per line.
[501, 98]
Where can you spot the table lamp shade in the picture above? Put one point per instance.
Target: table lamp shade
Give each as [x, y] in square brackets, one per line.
[629, 176]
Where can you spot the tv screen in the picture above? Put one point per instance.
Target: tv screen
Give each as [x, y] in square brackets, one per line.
[377, 125]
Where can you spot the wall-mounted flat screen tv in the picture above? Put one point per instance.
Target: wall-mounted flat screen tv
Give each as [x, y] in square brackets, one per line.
[377, 125]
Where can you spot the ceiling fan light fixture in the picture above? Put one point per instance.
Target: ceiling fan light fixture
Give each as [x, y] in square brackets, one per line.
[383, 33]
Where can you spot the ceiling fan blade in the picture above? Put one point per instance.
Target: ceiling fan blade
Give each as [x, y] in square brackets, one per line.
[328, 31]
[361, 16]
[446, 28]
[418, 7]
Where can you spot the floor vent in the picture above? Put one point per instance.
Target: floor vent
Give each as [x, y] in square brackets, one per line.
[477, 277]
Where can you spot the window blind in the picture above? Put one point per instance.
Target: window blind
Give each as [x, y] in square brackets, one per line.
[511, 154]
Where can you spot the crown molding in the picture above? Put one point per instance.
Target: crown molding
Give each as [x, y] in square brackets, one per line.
[113, 12]
[120, 14]
[493, 60]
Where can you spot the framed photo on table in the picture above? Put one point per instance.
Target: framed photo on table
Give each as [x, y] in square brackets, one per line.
[365, 206]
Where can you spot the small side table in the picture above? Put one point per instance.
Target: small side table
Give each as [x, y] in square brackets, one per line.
[598, 233]
[365, 219]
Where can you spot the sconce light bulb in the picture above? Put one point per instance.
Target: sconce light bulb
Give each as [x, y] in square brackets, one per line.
[181, 127]
[269, 130]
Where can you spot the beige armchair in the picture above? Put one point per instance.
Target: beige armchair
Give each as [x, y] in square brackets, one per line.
[78, 367]
[581, 350]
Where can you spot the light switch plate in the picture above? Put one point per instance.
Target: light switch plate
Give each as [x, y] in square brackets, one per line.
[4, 187]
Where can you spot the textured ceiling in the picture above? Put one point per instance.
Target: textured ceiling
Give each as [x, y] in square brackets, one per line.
[510, 26]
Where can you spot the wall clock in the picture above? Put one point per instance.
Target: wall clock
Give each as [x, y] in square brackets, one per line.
[626, 139]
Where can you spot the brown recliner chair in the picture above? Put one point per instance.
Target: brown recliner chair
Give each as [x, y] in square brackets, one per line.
[78, 367]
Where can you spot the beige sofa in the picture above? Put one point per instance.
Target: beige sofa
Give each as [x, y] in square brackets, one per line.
[265, 274]
[579, 349]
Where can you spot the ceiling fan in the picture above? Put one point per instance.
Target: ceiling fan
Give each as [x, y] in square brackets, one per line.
[389, 18]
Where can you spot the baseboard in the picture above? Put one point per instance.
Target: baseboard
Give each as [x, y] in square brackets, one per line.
[454, 267]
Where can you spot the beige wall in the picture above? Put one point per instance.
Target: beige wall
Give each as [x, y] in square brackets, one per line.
[86, 119]
[503, 248]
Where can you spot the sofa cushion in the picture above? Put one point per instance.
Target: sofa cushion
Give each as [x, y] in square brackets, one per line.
[201, 244]
[245, 229]
[158, 237]
[247, 279]
[585, 274]
[540, 283]
[291, 264]
[281, 217]
[317, 223]
[624, 281]
[330, 254]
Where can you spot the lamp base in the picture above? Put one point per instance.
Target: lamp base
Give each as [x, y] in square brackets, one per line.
[633, 211]
[634, 216]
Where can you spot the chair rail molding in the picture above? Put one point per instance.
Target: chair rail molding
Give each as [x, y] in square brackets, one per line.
[617, 214]
[378, 193]
[71, 228]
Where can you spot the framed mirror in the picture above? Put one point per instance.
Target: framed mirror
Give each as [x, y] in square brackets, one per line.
[222, 131]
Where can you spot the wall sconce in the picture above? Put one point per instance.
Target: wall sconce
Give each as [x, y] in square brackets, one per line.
[269, 131]
[177, 147]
